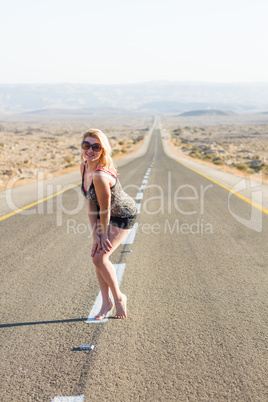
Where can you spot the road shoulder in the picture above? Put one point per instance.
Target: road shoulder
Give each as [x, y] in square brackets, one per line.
[230, 181]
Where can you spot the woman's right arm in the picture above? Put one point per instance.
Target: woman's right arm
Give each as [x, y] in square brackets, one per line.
[92, 212]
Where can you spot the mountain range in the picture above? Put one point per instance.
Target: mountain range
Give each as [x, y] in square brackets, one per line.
[157, 97]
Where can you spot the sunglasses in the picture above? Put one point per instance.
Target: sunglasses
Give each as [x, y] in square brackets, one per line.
[96, 147]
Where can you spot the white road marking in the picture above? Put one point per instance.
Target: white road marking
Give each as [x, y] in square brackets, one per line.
[139, 196]
[95, 309]
[130, 238]
[79, 398]
[138, 208]
[119, 269]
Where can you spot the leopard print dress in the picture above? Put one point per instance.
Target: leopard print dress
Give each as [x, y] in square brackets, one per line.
[123, 211]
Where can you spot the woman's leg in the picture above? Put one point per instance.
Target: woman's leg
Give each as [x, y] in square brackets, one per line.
[107, 303]
[107, 277]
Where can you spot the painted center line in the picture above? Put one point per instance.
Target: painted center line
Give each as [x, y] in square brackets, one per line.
[119, 269]
[139, 196]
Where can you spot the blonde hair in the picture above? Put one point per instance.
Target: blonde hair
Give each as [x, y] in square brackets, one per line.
[106, 156]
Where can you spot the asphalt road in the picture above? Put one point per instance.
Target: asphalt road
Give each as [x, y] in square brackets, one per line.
[196, 280]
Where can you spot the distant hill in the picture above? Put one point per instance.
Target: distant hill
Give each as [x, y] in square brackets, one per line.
[148, 97]
[209, 112]
[105, 111]
[58, 111]
[172, 107]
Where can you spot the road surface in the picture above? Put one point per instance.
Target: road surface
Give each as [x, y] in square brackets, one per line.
[196, 279]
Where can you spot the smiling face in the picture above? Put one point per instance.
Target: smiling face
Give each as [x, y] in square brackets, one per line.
[89, 154]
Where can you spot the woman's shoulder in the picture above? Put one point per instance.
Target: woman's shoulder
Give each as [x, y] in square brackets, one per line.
[103, 171]
[104, 175]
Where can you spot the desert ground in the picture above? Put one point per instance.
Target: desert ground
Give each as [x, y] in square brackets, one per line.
[235, 143]
[33, 146]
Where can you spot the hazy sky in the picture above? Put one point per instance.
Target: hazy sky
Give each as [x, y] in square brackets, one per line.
[124, 41]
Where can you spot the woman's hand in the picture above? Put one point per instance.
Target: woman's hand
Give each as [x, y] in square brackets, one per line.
[96, 246]
[105, 243]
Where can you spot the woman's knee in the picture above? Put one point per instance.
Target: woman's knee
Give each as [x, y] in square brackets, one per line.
[99, 259]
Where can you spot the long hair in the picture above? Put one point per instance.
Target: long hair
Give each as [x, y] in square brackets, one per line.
[106, 156]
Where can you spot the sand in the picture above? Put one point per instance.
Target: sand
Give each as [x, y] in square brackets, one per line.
[234, 144]
[32, 147]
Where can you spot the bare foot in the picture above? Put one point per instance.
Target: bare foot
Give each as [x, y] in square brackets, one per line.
[105, 308]
[121, 307]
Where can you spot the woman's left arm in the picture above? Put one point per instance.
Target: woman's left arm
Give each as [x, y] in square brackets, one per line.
[103, 193]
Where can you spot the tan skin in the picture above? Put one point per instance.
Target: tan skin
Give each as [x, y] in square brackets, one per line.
[106, 238]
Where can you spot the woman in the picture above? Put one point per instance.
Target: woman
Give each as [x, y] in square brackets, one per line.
[111, 214]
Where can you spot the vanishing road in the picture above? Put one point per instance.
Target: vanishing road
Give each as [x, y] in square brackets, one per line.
[196, 280]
